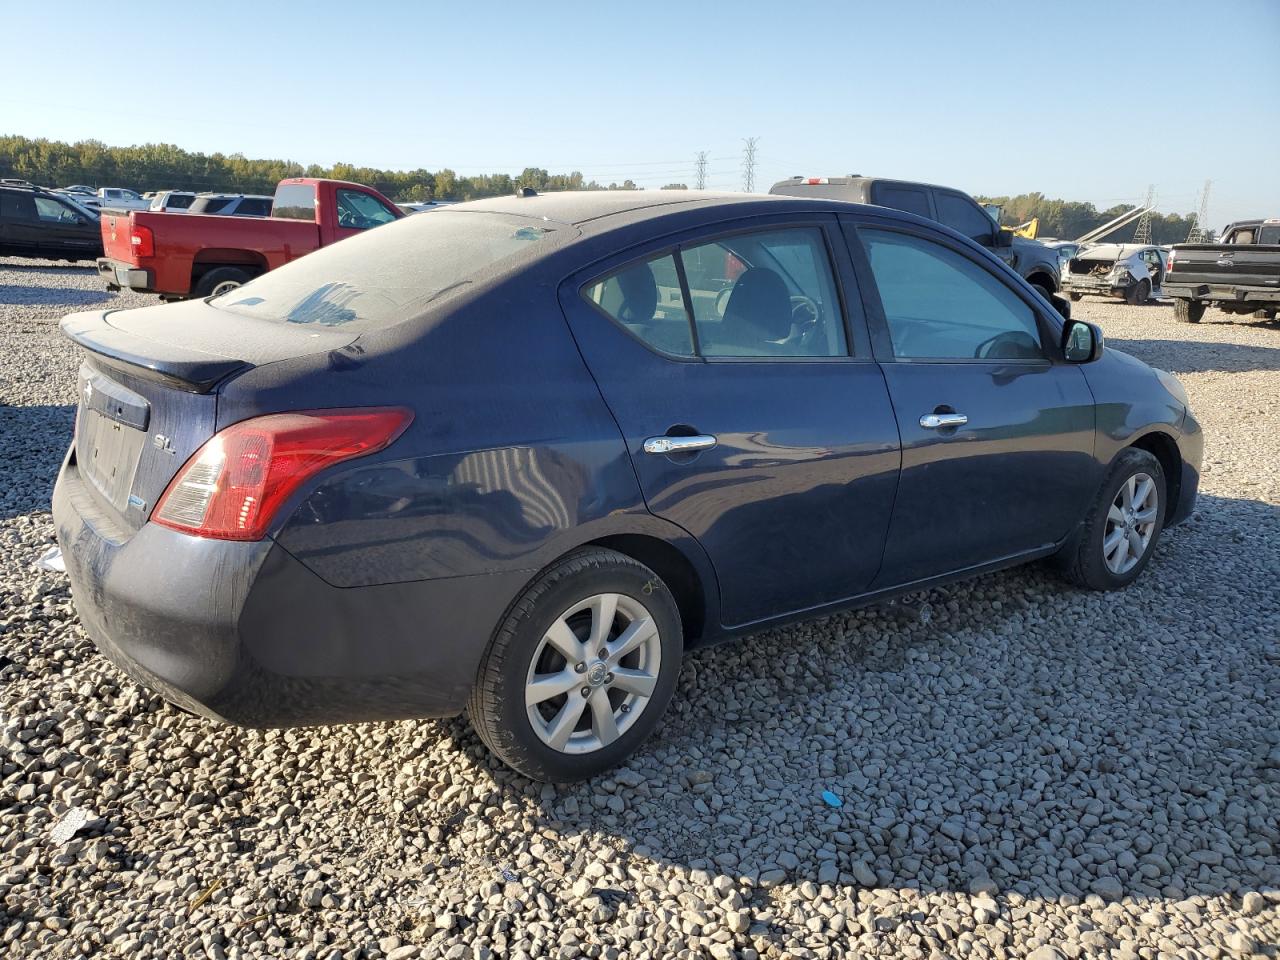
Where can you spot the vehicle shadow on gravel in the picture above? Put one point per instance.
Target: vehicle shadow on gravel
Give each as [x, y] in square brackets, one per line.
[1198, 356]
[59, 268]
[1056, 742]
[34, 440]
[41, 296]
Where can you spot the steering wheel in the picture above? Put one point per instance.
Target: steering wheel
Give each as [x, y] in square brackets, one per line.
[1006, 345]
[804, 311]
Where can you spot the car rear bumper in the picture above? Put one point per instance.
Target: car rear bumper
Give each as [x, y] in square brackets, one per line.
[1102, 287]
[245, 633]
[125, 276]
[1222, 293]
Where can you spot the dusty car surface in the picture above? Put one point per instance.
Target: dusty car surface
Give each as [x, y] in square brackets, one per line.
[1132, 272]
[516, 457]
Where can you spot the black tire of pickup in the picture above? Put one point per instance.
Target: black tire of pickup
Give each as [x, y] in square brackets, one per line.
[1188, 311]
[1264, 314]
[220, 280]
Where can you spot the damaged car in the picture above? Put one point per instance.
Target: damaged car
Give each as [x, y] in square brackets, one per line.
[1131, 271]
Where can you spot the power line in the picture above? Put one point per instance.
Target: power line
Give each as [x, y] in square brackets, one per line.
[749, 165]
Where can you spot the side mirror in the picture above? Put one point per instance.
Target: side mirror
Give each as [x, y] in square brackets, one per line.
[1002, 238]
[1061, 304]
[1081, 341]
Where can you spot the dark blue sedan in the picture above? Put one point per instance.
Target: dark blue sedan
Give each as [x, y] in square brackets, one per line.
[516, 457]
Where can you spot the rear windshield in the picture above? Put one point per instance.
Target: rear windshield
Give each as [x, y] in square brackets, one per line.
[295, 201]
[378, 279]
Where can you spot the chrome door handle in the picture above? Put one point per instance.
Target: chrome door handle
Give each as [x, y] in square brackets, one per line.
[936, 421]
[666, 445]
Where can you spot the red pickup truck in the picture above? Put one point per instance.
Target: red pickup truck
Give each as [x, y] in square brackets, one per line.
[180, 255]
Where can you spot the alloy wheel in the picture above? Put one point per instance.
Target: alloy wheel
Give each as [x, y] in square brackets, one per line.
[1131, 522]
[593, 673]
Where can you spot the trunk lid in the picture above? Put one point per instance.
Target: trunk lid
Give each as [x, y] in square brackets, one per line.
[147, 392]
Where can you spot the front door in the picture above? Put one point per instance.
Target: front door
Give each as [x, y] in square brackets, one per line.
[64, 232]
[754, 415]
[997, 434]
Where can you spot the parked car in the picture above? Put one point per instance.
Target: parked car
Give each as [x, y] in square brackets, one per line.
[40, 223]
[1065, 249]
[172, 201]
[949, 206]
[80, 189]
[1239, 275]
[232, 205]
[197, 255]
[517, 457]
[1133, 272]
[118, 198]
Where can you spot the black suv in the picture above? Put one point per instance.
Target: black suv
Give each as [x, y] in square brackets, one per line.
[39, 223]
[948, 206]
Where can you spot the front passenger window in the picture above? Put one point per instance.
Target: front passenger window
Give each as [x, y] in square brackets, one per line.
[940, 305]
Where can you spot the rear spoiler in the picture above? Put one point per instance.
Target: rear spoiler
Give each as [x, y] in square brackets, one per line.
[182, 367]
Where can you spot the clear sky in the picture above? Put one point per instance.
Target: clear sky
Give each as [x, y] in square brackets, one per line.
[1077, 99]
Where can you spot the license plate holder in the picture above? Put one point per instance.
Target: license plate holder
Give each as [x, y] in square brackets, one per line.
[107, 453]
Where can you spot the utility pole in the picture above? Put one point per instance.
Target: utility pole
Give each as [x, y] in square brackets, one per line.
[700, 170]
[1143, 233]
[1201, 217]
[749, 165]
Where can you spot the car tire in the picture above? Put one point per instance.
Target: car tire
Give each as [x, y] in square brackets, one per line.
[1138, 293]
[578, 734]
[1188, 311]
[1076, 297]
[1044, 291]
[1264, 314]
[220, 280]
[1093, 558]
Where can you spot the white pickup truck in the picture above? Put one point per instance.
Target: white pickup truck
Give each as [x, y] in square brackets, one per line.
[118, 198]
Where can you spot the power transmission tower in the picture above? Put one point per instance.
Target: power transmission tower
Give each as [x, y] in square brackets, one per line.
[1202, 215]
[749, 165]
[700, 171]
[1143, 233]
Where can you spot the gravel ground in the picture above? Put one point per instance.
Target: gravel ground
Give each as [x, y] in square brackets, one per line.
[1037, 772]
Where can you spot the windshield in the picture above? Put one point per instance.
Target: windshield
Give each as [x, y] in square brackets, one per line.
[380, 278]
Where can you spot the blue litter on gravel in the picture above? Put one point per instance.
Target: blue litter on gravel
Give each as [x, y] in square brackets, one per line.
[832, 799]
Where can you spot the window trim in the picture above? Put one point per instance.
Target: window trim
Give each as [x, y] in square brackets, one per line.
[874, 307]
[826, 223]
[945, 192]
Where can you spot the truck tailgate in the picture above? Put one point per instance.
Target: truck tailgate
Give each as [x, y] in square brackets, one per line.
[116, 227]
[1243, 265]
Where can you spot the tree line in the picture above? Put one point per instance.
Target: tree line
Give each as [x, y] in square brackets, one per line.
[162, 166]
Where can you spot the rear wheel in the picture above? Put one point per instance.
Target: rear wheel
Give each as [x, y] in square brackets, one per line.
[1123, 526]
[1188, 311]
[1075, 297]
[1264, 314]
[1140, 292]
[582, 669]
[220, 280]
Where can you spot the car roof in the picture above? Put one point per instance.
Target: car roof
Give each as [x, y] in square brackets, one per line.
[577, 207]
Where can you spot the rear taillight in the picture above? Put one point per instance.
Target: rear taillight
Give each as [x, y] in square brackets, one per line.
[816, 181]
[1168, 267]
[233, 486]
[142, 241]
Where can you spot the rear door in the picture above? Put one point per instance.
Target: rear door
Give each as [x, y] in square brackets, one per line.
[19, 227]
[997, 435]
[753, 412]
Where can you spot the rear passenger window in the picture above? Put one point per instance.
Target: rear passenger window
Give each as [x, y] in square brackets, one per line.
[645, 298]
[765, 295]
[910, 199]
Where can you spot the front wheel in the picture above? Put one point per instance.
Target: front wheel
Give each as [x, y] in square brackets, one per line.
[582, 669]
[1123, 526]
[1075, 297]
[1188, 311]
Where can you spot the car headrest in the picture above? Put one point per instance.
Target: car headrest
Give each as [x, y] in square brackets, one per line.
[639, 294]
[760, 299]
